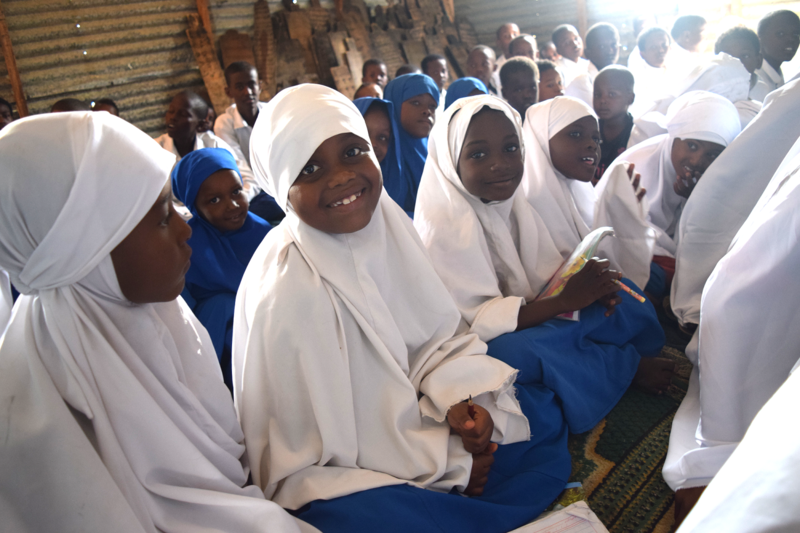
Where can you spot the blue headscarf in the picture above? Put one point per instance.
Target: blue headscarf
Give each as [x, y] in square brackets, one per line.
[413, 152]
[391, 166]
[461, 88]
[218, 259]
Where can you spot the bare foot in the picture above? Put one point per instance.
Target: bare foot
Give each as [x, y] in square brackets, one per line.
[654, 374]
[685, 500]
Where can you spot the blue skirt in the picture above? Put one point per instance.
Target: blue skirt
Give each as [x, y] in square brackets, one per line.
[524, 479]
[588, 364]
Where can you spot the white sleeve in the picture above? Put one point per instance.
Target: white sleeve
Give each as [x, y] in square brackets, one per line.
[249, 184]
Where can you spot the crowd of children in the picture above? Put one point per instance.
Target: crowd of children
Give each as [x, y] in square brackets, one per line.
[367, 278]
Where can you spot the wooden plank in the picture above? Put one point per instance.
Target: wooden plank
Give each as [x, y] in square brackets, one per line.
[11, 67]
[343, 81]
[265, 49]
[235, 47]
[356, 63]
[338, 39]
[386, 49]
[458, 56]
[205, 16]
[210, 70]
[323, 52]
[300, 30]
[359, 32]
[291, 68]
[415, 52]
[583, 17]
[466, 33]
[450, 9]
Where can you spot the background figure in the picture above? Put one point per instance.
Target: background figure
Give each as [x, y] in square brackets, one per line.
[743, 44]
[779, 33]
[688, 34]
[463, 87]
[407, 69]
[504, 35]
[482, 64]
[569, 46]
[520, 77]
[70, 104]
[547, 50]
[368, 90]
[435, 66]
[649, 65]
[6, 116]
[106, 104]
[374, 71]
[602, 50]
[524, 46]
[550, 82]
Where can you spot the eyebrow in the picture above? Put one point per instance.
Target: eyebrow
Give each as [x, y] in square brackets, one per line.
[477, 141]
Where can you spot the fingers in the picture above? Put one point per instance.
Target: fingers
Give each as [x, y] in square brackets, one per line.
[459, 419]
[479, 476]
[631, 168]
[641, 194]
[477, 440]
[636, 181]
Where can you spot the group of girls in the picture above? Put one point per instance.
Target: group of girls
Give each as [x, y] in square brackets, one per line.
[382, 368]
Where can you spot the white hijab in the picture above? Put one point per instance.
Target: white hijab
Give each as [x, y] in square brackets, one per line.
[697, 115]
[571, 208]
[726, 195]
[492, 257]
[748, 336]
[348, 350]
[114, 414]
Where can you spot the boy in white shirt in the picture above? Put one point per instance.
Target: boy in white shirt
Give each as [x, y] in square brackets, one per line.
[779, 33]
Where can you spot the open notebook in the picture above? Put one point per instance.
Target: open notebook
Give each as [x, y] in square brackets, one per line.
[576, 518]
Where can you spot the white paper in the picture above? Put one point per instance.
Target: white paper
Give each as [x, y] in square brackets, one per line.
[576, 518]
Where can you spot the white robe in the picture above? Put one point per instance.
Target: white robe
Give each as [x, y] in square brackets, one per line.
[749, 334]
[570, 69]
[582, 87]
[114, 415]
[772, 78]
[651, 84]
[727, 193]
[360, 403]
[492, 257]
[570, 208]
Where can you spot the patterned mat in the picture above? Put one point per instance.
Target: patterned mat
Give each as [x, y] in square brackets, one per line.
[619, 462]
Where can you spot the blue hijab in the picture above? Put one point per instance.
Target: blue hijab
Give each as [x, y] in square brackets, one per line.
[413, 152]
[461, 88]
[391, 166]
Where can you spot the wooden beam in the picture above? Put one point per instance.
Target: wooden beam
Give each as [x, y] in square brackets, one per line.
[583, 17]
[205, 16]
[210, 69]
[11, 67]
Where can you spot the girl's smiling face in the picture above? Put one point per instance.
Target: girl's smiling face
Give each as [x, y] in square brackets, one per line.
[490, 164]
[575, 150]
[221, 201]
[339, 187]
[691, 158]
[417, 115]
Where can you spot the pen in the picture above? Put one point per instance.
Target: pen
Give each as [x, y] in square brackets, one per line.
[630, 291]
[470, 407]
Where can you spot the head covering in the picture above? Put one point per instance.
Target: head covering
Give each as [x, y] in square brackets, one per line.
[461, 88]
[492, 257]
[697, 115]
[392, 165]
[726, 195]
[134, 429]
[369, 390]
[413, 151]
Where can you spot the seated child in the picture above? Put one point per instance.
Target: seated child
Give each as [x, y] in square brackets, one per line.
[613, 94]
[700, 125]
[494, 254]
[106, 104]
[569, 46]
[224, 237]
[743, 44]
[374, 71]
[363, 425]
[481, 64]
[562, 150]
[602, 50]
[6, 117]
[368, 90]
[236, 125]
[550, 83]
[520, 77]
[407, 69]
[415, 99]
[547, 51]
[115, 416]
[65, 105]
[523, 46]
[435, 66]
[463, 87]
[384, 137]
[778, 32]
[649, 66]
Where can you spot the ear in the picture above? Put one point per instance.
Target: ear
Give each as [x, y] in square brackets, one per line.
[228, 92]
[633, 97]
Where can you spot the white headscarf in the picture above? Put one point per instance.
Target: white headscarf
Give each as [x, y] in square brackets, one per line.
[114, 415]
[348, 350]
[697, 115]
[572, 208]
[726, 195]
[748, 336]
[492, 257]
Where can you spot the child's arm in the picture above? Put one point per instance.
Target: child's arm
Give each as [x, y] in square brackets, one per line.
[593, 282]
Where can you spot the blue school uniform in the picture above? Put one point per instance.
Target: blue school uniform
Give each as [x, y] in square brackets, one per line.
[461, 88]
[413, 151]
[218, 259]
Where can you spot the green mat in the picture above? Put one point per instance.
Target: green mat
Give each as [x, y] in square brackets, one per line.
[619, 462]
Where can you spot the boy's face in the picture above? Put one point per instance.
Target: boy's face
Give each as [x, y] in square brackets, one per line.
[525, 48]
[550, 85]
[243, 88]
[603, 48]
[781, 38]
[182, 120]
[5, 116]
[521, 91]
[417, 115]
[745, 52]
[508, 32]
[691, 158]
[490, 164]
[655, 50]
[221, 201]
[569, 44]
[575, 150]
[152, 261]
[612, 96]
[548, 51]
[380, 130]
[437, 70]
[481, 65]
[376, 74]
[692, 39]
[338, 189]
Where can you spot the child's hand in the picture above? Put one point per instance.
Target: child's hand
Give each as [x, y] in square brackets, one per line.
[475, 432]
[610, 301]
[635, 178]
[481, 464]
[593, 282]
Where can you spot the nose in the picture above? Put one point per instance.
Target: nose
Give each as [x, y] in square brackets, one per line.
[341, 176]
[499, 165]
[185, 230]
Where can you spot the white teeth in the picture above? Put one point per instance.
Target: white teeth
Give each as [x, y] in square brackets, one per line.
[346, 201]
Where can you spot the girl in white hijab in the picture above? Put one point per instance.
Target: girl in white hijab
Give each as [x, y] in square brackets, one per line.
[113, 411]
[700, 125]
[559, 187]
[747, 342]
[494, 254]
[352, 364]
